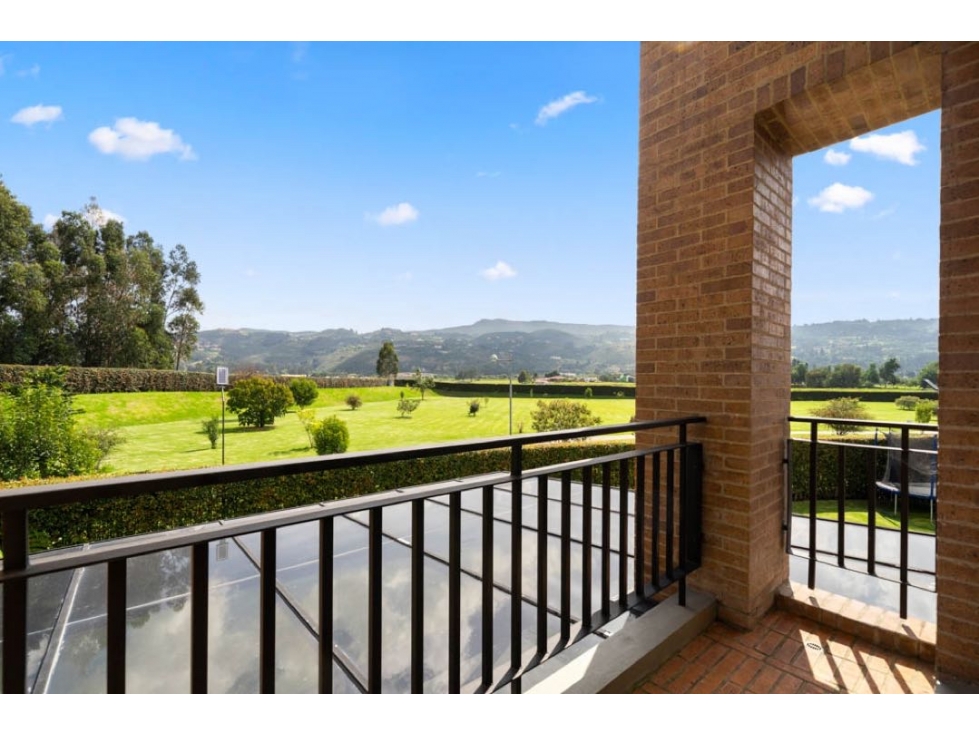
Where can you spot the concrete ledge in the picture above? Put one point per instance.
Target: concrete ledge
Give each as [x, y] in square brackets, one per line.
[912, 637]
[624, 660]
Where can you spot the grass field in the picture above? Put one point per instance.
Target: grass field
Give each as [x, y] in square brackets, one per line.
[855, 511]
[887, 412]
[162, 431]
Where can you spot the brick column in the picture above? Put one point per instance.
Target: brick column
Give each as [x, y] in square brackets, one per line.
[957, 562]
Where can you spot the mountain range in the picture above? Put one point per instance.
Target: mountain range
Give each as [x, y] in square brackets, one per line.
[536, 346]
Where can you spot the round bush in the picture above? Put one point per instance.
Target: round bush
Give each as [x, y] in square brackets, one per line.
[330, 436]
[304, 391]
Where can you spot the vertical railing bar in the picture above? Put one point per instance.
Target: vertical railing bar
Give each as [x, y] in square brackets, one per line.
[516, 566]
[542, 569]
[326, 606]
[606, 540]
[684, 517]
[840, 507]
[586, 546]
[639, 522]
[115, 622]
[788, 491]
[374, 600]
[872, 512]
[16, 557]
[417, 594]
[670, 520]
[905, 511]
[654, 496]
[813, 443]
[565, 556]
[267, 574]
[455, 579]
[623, 532]
[199, 592]
[487, 610]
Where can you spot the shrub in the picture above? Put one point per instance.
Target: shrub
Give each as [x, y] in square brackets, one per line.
[330, 436]
[307, 416]
[907, 402]
[354, 401]
[211, 429]
[588, 392]
[105, 440]
[304, 391]
[473, 407]
[559, 415]
[258, 400]
[924, 411]
[38, 436]
[849, 408]
[407, 406]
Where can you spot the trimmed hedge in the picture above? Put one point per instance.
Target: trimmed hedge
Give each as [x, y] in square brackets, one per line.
[87, 380]
[551, 389]
[86, 522]
[868, 396]
[856, 482]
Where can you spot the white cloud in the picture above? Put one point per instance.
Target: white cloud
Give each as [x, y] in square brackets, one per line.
[499, 271]
[883, 214]
[49, 221]
[560, 106]
[38, 113]
[836, 158]
[138, 140]
[398, 214]
[32, 72]
[840, 197]
[99, 217]
[901, 147]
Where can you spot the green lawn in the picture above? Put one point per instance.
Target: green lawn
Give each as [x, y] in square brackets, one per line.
[855, 511]
[878, 411]
[162, 430]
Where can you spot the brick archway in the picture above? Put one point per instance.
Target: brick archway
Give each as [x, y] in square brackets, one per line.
[719, 124]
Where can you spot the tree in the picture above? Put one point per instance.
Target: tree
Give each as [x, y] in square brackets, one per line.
[473, 407]
[871, 378]
[559, 415]
[258, 401]
[423, 382]
[888, 371]
[523, 377]
[212, 429]
[799, 370]
[846, 375]
[304, 391]
[928, 372]
[407, 406]
[817, 377]
[387, 362]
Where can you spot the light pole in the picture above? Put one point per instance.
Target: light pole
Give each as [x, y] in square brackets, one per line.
[507, 359]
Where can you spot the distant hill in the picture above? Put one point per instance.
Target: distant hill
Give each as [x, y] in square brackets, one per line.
[913, 341]
[537, 346]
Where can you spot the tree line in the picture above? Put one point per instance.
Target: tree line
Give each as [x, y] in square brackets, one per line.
[853, 375]
[85, 293]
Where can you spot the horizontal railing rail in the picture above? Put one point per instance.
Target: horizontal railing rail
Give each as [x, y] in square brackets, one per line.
[663, 482]
[872, 476]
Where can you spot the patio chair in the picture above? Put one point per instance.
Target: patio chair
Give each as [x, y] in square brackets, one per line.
[922, 469]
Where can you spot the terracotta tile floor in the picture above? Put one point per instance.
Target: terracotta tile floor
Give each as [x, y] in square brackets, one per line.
[787, 654]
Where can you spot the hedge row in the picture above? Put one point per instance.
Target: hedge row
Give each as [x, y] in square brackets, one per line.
[80, 380]
[86, 522]
[868, 396]
[856, 482]
[552, 389]
[85, 380]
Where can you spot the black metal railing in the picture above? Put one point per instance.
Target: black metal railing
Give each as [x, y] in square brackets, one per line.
[839, 469]
[662, 483]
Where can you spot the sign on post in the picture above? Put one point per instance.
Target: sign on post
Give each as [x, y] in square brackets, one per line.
[222, 376]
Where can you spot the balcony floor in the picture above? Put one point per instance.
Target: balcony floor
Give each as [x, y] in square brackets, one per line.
[786, 653]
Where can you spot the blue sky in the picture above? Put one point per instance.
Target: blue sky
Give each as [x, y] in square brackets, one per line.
[421, 185]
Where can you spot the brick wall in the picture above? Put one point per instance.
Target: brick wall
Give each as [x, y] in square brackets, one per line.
[957, 643]
[719, 123]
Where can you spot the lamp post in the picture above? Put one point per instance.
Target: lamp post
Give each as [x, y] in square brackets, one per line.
[507, 359]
